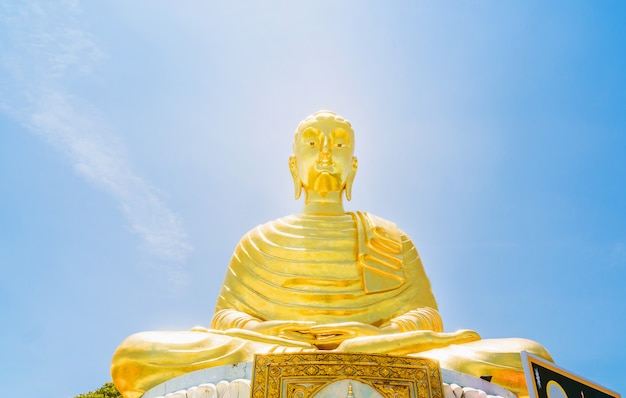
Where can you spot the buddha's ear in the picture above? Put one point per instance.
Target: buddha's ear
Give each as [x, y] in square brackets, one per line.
[297, 184]
[350, 179]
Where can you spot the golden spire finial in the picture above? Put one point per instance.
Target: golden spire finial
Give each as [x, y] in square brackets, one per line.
[350, 393]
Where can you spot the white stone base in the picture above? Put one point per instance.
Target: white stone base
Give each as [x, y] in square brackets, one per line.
[233, 381]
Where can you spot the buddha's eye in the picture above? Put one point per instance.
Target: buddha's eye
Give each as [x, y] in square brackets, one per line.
[312, 144]
[340, 145]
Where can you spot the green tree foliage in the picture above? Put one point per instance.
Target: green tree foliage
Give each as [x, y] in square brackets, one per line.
[107, 390]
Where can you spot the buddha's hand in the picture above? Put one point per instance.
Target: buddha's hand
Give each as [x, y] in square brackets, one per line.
[293, 330]
[331, 335]
[407, 342]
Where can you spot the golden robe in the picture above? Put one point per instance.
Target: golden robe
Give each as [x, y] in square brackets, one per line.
[327, 269]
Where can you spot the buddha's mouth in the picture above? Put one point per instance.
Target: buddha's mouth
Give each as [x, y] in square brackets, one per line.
[327, 167]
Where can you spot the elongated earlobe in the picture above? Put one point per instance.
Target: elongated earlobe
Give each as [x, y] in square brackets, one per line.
[350, 179]
[297, 184]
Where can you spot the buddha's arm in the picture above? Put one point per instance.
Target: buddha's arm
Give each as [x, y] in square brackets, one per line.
[423, 315]
[408, 342]
[231, 319]
[425, 318]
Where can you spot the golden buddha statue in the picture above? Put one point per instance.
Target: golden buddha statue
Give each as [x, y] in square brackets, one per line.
[325, 279]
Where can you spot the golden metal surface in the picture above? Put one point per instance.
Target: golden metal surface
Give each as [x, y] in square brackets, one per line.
[325, 279]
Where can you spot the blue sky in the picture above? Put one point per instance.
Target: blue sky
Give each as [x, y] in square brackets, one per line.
[141, 139]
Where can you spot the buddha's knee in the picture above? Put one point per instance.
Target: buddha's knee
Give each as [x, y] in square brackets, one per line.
[146, 359]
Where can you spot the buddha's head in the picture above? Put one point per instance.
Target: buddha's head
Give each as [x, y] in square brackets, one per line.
[323, 161]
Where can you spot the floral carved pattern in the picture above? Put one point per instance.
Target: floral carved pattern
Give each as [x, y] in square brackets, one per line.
[303, 375]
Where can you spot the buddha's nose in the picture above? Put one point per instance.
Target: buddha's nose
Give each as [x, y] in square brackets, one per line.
[325, 155]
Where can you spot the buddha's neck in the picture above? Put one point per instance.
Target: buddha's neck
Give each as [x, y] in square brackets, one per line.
[323, 205]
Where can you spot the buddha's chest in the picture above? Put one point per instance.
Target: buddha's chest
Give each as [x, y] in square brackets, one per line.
[308, 241]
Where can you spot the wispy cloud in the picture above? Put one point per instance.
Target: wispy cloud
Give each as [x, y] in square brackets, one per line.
[44, 49]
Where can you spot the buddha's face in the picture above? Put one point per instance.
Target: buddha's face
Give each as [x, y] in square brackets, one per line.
[324, 150]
